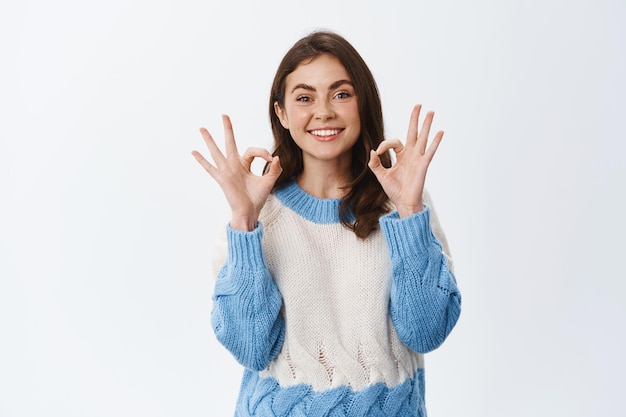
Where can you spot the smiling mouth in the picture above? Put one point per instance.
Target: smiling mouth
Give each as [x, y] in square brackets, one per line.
[325, 132]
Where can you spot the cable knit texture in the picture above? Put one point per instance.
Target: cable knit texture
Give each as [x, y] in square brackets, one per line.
[328, 324]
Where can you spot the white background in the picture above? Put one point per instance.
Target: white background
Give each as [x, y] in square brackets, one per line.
[107, 222]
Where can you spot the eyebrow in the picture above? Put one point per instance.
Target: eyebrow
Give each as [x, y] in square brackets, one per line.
[332, 86]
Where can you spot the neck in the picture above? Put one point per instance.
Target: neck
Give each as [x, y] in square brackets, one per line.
[325, 181]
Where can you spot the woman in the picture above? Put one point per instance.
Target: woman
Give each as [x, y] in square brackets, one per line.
[336, 279]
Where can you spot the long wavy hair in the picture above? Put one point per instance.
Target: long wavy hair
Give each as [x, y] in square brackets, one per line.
[365, 201]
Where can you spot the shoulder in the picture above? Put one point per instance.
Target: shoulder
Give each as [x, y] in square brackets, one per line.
[270, 211]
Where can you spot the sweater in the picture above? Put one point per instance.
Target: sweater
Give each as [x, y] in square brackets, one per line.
[326, 323]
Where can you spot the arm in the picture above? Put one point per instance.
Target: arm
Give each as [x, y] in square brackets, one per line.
[246, 310]
[425, 302]
[246, 303]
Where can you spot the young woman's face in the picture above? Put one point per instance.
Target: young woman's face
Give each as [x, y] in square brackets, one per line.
[321, 110]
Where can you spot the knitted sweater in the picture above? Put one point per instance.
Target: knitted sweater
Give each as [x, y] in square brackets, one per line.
[325, 323]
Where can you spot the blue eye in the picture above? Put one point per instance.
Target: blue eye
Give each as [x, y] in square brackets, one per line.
[303, 99]
[342, 95]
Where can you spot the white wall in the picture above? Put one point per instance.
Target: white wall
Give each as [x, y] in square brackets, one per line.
[106, 221]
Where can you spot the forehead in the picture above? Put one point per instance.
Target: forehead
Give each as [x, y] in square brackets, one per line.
[319, 72]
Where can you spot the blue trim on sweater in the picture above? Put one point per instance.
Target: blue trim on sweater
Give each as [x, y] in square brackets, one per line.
[263, 397]
[314, 209]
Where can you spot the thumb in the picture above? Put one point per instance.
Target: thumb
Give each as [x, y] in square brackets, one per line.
[375, 164]
[275, 168]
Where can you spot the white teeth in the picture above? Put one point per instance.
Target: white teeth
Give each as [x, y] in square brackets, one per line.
[325, 132]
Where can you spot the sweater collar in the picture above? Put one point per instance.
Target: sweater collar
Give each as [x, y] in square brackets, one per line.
[317, 210]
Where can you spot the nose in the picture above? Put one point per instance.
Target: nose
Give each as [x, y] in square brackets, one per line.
[324, 110]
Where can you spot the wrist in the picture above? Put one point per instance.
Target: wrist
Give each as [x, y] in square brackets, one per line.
[243, 224]
[406, 211]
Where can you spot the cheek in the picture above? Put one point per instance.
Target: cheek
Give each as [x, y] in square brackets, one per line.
[353, 113]
[357, 115]
[297, 120]
[289, 118]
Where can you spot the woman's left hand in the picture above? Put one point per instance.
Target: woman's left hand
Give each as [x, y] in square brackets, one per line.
[404, 181]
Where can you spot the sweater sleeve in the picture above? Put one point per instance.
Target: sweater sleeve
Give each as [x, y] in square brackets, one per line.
[246, 302]
[425, 301]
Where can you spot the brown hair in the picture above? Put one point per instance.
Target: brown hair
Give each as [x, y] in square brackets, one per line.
[361, 207]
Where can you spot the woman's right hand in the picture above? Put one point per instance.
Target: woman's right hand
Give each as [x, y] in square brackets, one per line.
[245, 192]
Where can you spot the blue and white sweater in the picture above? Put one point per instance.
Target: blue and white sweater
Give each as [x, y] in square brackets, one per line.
[325, 323]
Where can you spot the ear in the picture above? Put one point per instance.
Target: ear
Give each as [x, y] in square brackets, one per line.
[282, 116]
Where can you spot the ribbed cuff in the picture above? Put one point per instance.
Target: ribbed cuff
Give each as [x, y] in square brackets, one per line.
[408, 235]
[245, 250]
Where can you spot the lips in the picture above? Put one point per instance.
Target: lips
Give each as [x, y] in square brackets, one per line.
[325, 134]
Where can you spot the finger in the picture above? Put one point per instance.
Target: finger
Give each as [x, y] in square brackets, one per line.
[394, 144]
[205, 164]
[214, 150]
[229, 137]
[423, 135]
[433, 146]
[252, 153]
[411, 136]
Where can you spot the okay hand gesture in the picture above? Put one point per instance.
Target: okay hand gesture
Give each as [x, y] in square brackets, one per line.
[404, 181]
[245, 192]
